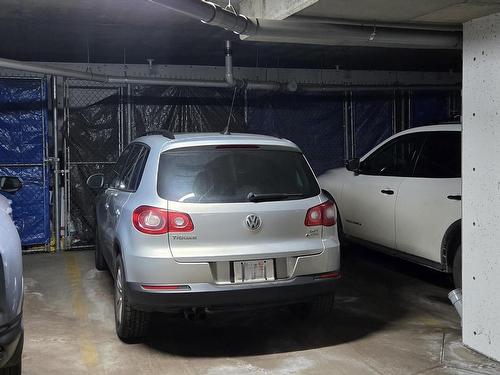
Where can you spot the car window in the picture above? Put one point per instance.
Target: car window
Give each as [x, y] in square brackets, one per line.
[440, 156]
[216, 175]
[397, 158]
[123, 167]
[138, 169]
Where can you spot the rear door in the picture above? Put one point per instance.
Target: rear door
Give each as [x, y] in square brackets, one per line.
[430, 201]
[213, 184]
[369, 197]
[128, 170]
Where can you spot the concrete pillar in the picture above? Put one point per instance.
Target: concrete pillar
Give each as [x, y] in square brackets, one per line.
[481, 185]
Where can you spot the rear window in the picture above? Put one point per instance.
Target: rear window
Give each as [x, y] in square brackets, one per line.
[217, 175]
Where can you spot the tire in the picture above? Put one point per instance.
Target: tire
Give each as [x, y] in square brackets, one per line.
[13, 370]
[321, 307]
[131, 324]
[457, 267]
[13, 367]
[100, 262]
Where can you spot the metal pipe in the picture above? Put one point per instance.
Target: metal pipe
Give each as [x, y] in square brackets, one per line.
[57, 172]
[455, 297]
[250, 85]
[395, 25]
[269, 86]
[229, 64]
[129, 113]
[309, 32]
[340, 88]
[212, 14]
[165, 82]
[35, 68]
[351, 35]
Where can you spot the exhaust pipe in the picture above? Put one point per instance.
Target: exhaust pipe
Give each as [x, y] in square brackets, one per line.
[196, 313]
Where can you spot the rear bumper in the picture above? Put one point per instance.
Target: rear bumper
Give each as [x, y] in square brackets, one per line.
[10, 336]
[205, 295]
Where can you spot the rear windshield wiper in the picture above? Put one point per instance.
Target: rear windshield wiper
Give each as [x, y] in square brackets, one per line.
[252, 197]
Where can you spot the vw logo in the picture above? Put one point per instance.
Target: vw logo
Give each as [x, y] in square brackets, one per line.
[253, 222]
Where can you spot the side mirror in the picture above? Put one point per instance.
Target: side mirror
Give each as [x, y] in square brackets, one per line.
[353, 165]
[10, 184]
[96, 181]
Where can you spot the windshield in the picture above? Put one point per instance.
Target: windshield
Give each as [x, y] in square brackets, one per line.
[217, 175]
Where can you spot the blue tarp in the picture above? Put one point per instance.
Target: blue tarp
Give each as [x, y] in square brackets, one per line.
[23, 134]
[314, 123]
[429, 108]
[372, 120]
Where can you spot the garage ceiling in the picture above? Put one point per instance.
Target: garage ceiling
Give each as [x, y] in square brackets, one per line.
[113, 31]
[453, 12]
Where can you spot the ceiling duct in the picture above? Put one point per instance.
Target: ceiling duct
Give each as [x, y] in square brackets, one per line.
[308, 32]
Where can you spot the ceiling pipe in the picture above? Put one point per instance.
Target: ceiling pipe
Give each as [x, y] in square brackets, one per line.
[250, 85]
[342, 88]
[395, 25]
[55, 71]
[211, 14]
[229, 64]
[229, 81]
[308, 32]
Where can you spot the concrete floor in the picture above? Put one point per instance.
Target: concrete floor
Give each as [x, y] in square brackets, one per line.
[391, 318]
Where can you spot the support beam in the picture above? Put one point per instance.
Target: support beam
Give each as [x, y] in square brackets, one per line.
[481, 185]
[272, 9]
[56, 187]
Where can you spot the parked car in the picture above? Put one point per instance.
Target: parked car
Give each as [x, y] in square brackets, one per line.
[11, 284]
[206, 221]
[404, 197]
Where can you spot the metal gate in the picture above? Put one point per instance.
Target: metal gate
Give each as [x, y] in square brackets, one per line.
[94, 136]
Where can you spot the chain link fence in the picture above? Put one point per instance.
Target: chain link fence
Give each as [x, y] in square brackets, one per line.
[99, 122]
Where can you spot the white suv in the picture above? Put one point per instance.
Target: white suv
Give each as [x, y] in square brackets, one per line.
[404, 197]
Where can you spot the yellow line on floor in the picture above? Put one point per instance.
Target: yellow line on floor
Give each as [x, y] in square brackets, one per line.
[88, 350]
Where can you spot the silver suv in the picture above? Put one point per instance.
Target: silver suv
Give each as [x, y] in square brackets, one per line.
[197, 222]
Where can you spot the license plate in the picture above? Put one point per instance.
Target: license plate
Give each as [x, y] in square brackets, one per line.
[253, 271]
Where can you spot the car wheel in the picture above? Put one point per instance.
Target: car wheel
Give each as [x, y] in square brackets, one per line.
[14, 365]
[457, 267]
[320, 307]
[131, 324]
[13, 370]
[100, 262]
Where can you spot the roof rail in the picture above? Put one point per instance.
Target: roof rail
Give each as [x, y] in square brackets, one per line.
[165, 133]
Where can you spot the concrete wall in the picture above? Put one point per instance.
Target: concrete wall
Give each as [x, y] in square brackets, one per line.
[481, 185]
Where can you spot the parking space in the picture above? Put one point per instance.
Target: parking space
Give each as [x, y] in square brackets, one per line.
[391, 317]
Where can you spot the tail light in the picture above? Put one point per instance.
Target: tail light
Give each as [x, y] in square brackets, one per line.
[323, 214]
[154, 220]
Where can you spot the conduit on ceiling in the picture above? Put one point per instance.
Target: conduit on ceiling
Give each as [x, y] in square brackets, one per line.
[308, 32]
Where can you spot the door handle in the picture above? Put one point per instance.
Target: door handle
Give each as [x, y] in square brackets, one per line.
[387, 191]
[455, 197]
